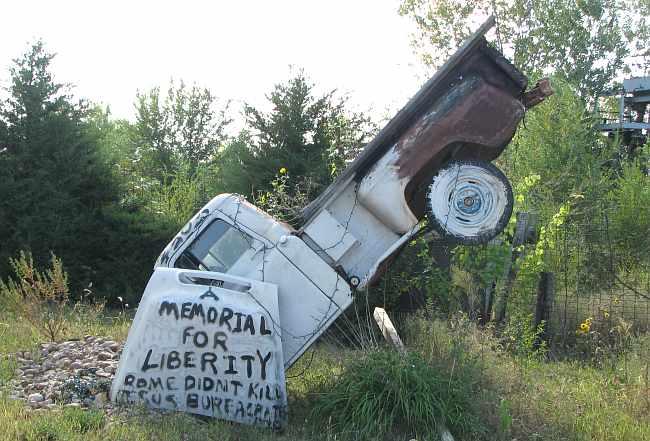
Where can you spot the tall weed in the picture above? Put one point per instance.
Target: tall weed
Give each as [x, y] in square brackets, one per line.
[40, 297]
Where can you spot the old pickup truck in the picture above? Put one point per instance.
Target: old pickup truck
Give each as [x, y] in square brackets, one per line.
[238, 296]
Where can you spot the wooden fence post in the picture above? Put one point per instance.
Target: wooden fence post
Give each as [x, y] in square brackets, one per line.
[545, 295]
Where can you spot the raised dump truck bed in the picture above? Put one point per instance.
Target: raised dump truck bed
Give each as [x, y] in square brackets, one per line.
[432, 157]
[476, 58]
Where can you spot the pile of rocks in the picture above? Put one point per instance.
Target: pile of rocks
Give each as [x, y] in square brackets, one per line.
[75, 373]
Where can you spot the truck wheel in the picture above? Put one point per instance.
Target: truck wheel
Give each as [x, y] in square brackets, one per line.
[469, 202]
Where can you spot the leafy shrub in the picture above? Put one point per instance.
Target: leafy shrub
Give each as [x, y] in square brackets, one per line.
[522, 338]
[38, 297]
[630, 222]
[178, 199]
[285, 201]
[384, 391]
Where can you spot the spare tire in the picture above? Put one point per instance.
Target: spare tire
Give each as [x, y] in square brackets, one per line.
[469, 202]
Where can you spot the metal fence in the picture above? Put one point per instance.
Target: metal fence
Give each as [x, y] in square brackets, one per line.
[591, 280]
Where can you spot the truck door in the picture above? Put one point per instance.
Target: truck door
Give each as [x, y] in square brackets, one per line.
[208, 343]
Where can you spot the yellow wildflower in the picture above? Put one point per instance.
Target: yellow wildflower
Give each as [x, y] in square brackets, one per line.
[585, 326]
[283, 170]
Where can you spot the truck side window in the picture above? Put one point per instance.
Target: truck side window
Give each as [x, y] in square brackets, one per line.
[217, 248]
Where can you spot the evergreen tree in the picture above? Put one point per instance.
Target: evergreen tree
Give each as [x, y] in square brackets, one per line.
[311, 137]
[53, 182]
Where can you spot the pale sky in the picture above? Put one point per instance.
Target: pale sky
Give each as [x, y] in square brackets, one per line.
[238, 49]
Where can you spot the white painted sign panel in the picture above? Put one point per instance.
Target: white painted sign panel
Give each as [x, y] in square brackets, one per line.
[210, 350]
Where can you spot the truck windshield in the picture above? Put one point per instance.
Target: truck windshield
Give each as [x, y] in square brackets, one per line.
[217, 248]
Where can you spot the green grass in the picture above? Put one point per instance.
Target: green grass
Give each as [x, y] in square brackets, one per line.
[91, 425]
[384, 391]
[512, 397]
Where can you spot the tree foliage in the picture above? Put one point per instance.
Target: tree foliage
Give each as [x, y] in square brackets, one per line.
[310, 136]
[183, 126]
[54, 183]
[59, 187]
[582, 42]
[558, 143]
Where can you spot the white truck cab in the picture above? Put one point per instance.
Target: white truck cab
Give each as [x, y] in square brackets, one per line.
[229, 235]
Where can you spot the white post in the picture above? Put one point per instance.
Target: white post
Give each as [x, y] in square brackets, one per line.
[387, 329]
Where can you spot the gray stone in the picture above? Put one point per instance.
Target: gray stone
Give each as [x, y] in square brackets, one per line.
[62, 363]
[100, 400]
[58, 356]
[104, 356]
[39, 380]
[113, 346]
[36, 397]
